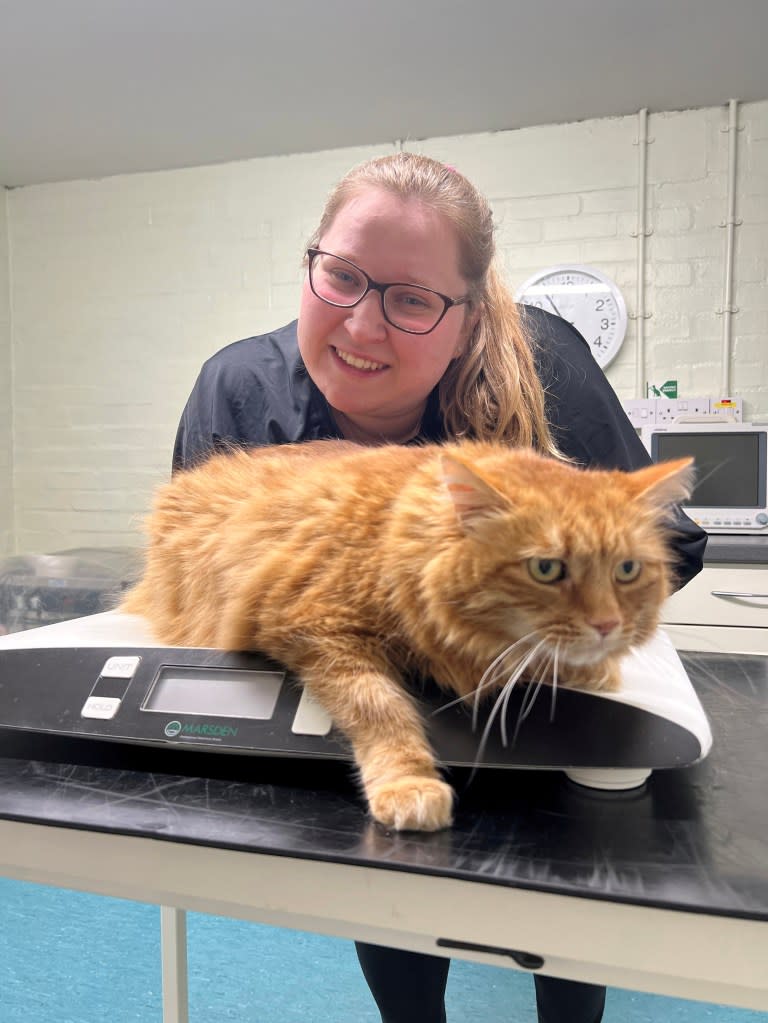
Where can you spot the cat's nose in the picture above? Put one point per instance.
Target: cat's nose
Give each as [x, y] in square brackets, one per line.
[606, 626]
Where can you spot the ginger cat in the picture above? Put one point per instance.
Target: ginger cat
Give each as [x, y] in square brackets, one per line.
[353, 565]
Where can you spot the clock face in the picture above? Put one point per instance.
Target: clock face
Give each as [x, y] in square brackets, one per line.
[587, 299]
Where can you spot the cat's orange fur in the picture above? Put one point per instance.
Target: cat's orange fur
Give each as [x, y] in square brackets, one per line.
[352, 565]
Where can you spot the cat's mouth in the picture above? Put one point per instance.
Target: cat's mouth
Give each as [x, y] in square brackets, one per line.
[356, 362]
[585, 652]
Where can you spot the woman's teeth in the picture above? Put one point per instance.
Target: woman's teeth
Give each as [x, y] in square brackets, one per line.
[352, 360]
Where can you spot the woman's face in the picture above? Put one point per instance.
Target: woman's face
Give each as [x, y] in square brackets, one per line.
[377, 376]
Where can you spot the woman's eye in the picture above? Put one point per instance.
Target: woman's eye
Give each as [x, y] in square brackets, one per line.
[627, 571]
[415, 301]
[546, 570]
[412, 301]
[343, 277]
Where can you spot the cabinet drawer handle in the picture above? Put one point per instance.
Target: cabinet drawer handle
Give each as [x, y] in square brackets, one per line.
[730, 595]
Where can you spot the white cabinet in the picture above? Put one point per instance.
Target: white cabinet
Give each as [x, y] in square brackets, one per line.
[724, 608]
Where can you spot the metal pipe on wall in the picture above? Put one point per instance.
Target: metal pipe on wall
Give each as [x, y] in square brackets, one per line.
[641, 234]
[730, 224]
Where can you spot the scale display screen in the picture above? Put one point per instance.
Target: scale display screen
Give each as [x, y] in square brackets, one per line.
[214, 692]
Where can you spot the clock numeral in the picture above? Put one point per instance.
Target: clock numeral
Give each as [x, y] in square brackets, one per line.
[599, 305]
[605, 324]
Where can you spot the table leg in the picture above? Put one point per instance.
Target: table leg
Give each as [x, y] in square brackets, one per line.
[173, 951]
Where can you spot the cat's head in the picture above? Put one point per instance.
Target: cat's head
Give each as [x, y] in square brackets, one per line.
[576, 558]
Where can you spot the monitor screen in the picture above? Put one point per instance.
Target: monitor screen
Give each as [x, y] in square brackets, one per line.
[730, 467]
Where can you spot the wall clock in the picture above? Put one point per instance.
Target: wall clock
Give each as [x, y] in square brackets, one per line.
[586, 298]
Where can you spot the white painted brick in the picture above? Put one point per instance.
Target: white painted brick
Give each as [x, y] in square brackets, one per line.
[754, 117]
[672, 220]
[606, 251]
[539, 209]
[688, 246]
[665, 322]
[752, 296]
[546, 160]
[122, 287]
[594, 225]
[710, 213]
[752, 271]
[674, 192]
[750, 349]
[285, 296]
[519, 232]
[678, 152]
[524, 260]
[671, 274]
[751, 241]
[609, 200]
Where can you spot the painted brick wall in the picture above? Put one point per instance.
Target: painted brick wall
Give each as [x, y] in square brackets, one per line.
[6, 422]
[122, 287]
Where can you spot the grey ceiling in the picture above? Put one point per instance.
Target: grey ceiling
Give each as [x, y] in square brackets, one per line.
[97, 87]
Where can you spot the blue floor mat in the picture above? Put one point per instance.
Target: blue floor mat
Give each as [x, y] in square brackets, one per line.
[69, 957]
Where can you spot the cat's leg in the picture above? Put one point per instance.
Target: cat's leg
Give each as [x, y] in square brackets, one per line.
[368, 702]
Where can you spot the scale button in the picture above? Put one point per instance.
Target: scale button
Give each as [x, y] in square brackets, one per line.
[310, 718]
[102, 707]
[120, 667]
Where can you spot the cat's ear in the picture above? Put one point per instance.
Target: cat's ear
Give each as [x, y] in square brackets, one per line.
[472, 498]
[665, 483]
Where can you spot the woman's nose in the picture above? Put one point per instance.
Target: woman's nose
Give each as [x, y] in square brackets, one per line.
[365, 321]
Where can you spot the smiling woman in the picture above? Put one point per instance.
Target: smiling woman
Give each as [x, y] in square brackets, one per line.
[377, 379]
[407, 334]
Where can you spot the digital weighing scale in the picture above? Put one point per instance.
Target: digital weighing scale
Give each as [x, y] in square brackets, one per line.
[105, 680]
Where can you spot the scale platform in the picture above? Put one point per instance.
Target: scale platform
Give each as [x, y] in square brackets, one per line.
[105, 680]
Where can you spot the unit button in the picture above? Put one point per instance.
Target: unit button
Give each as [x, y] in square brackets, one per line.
[102, 707]
[120, 667]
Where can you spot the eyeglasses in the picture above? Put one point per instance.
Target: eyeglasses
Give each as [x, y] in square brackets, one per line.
[408, 307]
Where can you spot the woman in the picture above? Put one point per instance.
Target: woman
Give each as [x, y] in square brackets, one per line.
[405, 334]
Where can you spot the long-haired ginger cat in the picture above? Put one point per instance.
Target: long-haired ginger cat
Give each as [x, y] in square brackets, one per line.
[353, 566]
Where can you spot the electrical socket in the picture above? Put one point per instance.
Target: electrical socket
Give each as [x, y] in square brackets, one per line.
[650, 411]
[641, 411]
[730, 408]
[670, 409]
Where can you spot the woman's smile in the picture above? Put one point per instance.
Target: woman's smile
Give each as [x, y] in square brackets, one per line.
[360, 363]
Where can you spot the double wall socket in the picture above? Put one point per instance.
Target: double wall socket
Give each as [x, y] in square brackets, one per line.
[649, 411]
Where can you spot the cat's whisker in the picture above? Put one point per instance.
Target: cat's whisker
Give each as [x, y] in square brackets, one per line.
[489, 676]
[555, 658]
[496, 668]
[530, 699]
[503, 698]
[504, 740]
[484, 683]
[498, 661]
[486, 680]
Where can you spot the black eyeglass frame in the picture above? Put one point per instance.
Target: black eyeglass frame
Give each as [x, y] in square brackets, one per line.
[372, 285]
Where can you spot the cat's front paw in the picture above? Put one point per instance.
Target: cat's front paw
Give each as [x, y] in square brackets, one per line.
[412, 803]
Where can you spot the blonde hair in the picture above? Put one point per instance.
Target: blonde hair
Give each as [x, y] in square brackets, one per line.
[491, 391]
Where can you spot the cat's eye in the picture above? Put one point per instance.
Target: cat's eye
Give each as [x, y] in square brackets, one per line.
[546, 570]
[627, 571]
